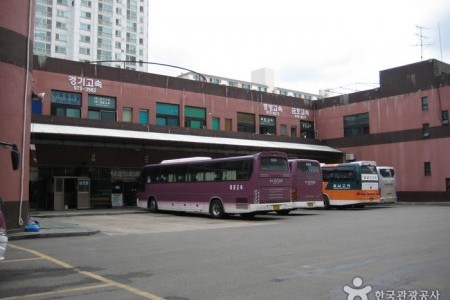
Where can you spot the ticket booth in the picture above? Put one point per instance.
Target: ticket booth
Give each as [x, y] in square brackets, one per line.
[71, 192]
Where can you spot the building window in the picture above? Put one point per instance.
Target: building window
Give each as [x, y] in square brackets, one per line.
[143, 116]
[194, 117]
[267, 125]
[61, 50]
[355, 125]
[444, 117]
[85, 38]
[424, 103]
[127, 114]
[215, 123]
[61, 25]
[246, 122]
[246, 86]
[84, 50]
[85, 27]
[61, 37]
[66, 104]
[85, 14]
[283, 130]
[294, 131]
[167, 114]
[228, 125]
[426, 130]
[86, 3]
[307, 130]
[262, 89]
[101, 108]
[427, 168]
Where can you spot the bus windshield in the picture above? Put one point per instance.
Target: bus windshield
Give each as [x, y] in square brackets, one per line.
[307, 168]
[368, 169]
[274, 164]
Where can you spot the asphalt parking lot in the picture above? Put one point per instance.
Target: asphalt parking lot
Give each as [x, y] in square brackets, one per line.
[397, 252]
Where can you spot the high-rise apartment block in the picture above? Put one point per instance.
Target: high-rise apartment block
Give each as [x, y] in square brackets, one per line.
[93, 30]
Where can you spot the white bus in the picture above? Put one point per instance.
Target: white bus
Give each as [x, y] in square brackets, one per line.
[387, 184]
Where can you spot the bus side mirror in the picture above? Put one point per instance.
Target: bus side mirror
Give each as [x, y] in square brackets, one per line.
[15, 157]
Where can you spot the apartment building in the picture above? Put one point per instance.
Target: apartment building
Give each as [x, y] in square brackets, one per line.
[262, 80]
[93, 30]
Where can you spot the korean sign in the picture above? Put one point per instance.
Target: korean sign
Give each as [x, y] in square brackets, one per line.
[83, 84]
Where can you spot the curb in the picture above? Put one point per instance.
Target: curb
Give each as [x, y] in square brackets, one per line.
[443, 203]
[36, 235]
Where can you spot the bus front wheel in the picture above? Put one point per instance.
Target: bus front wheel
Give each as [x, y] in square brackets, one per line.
[216, 209]
[152, 205]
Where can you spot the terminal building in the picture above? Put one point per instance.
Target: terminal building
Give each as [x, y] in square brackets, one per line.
[84, 131]
[97, 126]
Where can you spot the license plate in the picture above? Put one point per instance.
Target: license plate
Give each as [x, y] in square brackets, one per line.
[310, 204]
[276, 207]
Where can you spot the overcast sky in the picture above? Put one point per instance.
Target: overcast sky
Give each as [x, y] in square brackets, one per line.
[310, 45]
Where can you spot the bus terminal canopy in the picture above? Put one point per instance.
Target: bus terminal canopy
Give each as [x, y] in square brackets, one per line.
[37, 128]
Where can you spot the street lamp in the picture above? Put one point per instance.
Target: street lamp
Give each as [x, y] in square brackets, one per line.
[14, 154]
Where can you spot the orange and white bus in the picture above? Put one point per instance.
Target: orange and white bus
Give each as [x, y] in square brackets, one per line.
[350, 184]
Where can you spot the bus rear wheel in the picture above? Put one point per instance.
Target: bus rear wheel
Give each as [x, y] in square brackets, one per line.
[283, 212]
[326, 202]
[216, 209]
[152, 205]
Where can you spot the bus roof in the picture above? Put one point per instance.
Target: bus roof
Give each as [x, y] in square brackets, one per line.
[303, 159]
[185, 159]
[188, 160]
[359, 163]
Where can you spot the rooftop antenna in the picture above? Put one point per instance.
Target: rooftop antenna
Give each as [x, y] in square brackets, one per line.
[421, 37]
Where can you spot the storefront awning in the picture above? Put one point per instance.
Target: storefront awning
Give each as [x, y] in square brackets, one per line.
[37, 128]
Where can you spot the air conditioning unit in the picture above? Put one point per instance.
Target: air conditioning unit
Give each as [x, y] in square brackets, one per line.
[349, 157]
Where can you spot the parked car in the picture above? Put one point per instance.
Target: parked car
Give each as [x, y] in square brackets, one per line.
[3, 236]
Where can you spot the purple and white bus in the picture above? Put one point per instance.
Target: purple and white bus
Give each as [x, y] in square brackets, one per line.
[306, 183]
[242, 185]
